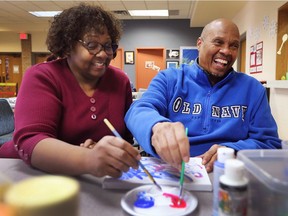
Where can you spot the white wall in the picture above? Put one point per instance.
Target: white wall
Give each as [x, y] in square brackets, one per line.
[259, 21]
[38, 40]
[10, 42]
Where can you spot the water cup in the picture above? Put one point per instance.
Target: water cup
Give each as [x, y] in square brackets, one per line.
[44, 196]
[5, 183]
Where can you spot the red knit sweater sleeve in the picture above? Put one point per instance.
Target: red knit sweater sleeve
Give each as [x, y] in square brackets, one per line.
[37, 111]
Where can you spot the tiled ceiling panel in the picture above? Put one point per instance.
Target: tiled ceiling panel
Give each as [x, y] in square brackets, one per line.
[15, 17]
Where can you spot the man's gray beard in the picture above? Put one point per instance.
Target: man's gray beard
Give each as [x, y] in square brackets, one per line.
[215, 75]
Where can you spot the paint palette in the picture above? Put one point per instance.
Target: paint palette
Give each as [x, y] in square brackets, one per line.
[149, 200]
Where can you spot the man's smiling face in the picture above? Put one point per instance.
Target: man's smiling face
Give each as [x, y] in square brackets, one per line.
[218, 47]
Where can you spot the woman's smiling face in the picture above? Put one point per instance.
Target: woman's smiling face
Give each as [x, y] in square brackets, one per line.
[88, 65]
[218, 47]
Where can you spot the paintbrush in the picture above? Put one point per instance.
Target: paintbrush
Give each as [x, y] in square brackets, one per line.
[113, 130]
[181, 181]
[150, 176]
[182, 176]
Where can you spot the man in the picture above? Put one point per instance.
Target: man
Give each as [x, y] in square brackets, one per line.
[219, 106]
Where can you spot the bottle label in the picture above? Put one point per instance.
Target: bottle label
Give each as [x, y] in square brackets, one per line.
[218, 170]
[232, 202]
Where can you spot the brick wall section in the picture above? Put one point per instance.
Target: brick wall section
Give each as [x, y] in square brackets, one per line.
[26, 53]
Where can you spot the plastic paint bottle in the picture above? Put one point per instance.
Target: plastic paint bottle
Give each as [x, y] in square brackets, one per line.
[222, 155]
[233, 194]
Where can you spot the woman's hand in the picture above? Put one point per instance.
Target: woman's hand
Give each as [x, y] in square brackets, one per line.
[89, 143]
[110, 156]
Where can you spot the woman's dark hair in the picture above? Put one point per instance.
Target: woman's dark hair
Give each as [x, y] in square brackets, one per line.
[72, 24]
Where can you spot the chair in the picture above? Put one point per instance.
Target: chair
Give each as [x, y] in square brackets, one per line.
[6, 121]
[140, 92]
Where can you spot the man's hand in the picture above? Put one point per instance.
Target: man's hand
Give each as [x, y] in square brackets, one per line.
[171, 143]
[210, 156]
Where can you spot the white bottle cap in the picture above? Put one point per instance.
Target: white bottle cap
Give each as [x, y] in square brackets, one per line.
[224, 153]
[234, 173]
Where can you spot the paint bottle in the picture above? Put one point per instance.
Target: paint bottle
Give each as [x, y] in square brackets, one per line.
[233, 187]
[222, 155]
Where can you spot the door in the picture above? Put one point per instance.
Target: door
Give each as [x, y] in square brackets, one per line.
[10, 73]
[40, 57]
[242, 58]
[149, 61]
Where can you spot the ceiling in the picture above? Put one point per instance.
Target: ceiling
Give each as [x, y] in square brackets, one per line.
[14, 16]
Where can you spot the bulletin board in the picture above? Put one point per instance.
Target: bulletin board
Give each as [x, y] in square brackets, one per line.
[256, 58]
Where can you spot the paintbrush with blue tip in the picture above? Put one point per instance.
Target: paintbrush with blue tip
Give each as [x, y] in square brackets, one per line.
[113, 130]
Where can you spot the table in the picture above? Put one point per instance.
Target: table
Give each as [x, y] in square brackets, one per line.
[93, 199]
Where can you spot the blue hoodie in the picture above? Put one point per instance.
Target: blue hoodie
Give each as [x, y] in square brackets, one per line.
[234, 112]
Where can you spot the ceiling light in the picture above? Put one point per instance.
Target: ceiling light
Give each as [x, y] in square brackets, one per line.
[44, 13]
[148, 12]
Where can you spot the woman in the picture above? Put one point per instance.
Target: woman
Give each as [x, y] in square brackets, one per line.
[62, 103]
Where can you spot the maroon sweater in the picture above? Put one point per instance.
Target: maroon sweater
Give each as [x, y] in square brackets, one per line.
[51, 103]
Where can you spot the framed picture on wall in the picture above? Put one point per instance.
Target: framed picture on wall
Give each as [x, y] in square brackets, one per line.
[256, 58]
[188, 54]
[129, 57]
[172, 54]
[172, 64]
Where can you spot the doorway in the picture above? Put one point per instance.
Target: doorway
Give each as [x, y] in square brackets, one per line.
[39, 57]
[242, 54]
[149, 61]
[10, 74]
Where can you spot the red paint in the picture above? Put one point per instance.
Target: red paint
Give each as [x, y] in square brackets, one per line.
[176, 201]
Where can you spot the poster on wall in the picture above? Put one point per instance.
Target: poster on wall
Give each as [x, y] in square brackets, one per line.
[16, 69]
[129, 57]
[7, 68]
[188, 54]
[172, 54]
[149, 64]
[172, 64]
[256, 58]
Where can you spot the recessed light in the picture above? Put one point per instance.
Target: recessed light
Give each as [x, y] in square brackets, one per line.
[44, 13]
[149, 12]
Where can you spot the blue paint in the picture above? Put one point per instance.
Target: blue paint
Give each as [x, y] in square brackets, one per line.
[144, 201]
[158, 171]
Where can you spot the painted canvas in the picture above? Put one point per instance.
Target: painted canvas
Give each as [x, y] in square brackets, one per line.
[195, 178]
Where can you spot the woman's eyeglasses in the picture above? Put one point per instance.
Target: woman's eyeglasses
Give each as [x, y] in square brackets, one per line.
[94, 47]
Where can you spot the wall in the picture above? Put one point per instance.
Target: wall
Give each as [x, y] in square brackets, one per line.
[156, 33]
[10, 42]
[136, 34]
[38, 42]
[259, 21]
